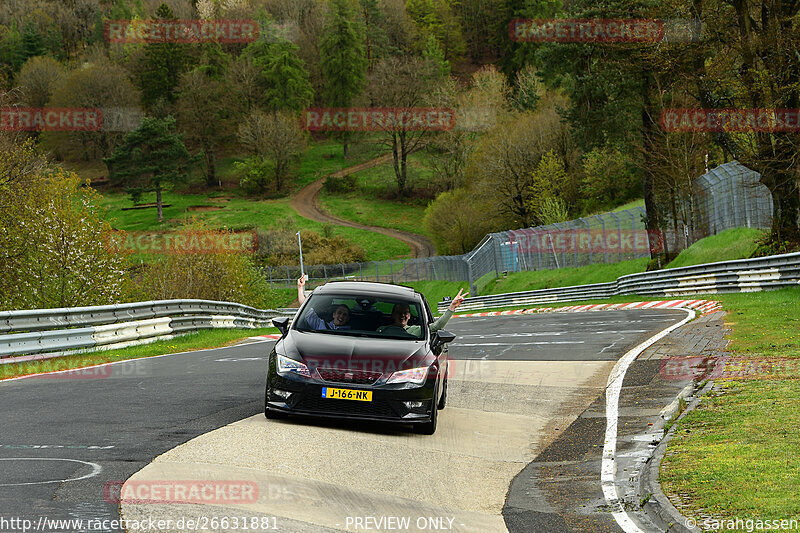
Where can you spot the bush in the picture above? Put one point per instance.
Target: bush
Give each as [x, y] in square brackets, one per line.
[230, 277]
[278, 247]
[340, 185]
[54, 245]
[456, 221]
[256, 174]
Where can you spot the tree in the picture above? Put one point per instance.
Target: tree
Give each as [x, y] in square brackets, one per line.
[284, 75]
[376, 39]
[276, 136]
[342, 57]
[433, 53]
[205, 115]
[94, 85]
[457, 221]
[435, 18]
[53, 237]
[164, 63]
[37, 80]
[151, 158]
[32, 42]
[507, 167]
[403, 84]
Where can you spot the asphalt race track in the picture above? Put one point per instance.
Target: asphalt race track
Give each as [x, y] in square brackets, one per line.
[517, 382]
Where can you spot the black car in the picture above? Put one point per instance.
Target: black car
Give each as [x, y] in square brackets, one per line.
[368, 368]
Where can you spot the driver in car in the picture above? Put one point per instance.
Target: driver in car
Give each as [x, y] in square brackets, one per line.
[401, 314]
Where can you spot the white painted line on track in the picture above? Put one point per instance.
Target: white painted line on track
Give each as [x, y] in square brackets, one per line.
[96, 469]
[608, 469]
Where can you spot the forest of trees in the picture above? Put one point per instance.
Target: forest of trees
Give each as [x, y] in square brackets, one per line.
[545, 131]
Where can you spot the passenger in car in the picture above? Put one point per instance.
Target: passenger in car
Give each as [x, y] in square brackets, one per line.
[401, 314]
[341, 317]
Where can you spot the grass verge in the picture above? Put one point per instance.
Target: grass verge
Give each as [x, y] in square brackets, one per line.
[734, 243]
[199, 340]
[737, 455]
[564, 277]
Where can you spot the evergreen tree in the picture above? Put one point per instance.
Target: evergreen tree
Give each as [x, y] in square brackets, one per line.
[342, 58]
[163, 65]
[376, 42]
[151, 158]
[433, 52]
[32, 43]
[285, 75]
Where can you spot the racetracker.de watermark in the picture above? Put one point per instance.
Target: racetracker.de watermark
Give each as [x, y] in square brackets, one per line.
[181, 491]
[604, 30]
[583, 241]
[727, 367]
[181, 31]
[734, 120]
[84, 367]
[69, 118]
[183, 242]
[379, 119]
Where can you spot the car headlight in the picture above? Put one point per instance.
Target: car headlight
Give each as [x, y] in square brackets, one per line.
[416, 376]
[290, 366]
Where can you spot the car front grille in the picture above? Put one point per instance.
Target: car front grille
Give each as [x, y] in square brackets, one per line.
[358, 377]
[346, 407]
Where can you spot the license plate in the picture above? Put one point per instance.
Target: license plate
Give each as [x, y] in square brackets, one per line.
[347, 394]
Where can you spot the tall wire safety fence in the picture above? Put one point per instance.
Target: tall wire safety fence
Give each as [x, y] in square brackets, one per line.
[606, 238]
[727, 196]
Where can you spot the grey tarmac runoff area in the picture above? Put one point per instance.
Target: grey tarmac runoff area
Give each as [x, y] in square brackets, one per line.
[518, 384]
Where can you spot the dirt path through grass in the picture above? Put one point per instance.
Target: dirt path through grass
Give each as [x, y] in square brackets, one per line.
[306, 203]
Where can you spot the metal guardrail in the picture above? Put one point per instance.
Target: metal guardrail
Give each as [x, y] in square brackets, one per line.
[67, 330]
[740, 275]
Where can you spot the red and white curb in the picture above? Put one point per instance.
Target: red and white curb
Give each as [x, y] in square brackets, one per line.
[269, 336]
[704, 306]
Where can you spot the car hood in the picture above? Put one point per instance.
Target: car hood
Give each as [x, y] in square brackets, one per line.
[320, 350]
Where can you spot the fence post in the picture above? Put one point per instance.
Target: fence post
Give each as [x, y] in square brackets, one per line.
[361, 271]
[619, 234]
[588, 234]
[270, 277]
[472, 290]
[288, 276]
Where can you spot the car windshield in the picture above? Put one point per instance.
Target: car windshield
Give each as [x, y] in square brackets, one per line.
[363, 316]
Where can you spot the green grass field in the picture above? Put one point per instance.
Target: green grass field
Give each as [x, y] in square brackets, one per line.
[239, 213]
[367, 203]
[738, 454]
[232, 210]
[199, 340]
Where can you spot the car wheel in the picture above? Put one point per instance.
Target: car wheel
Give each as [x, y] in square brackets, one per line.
[272, 415]
[443, 399]
[428, 428]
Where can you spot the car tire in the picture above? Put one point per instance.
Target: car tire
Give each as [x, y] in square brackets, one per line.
[429, 428]
[443, 399]
[270, 414]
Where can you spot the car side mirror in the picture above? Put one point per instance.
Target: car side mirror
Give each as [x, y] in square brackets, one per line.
[282, 323]
[443, 337]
